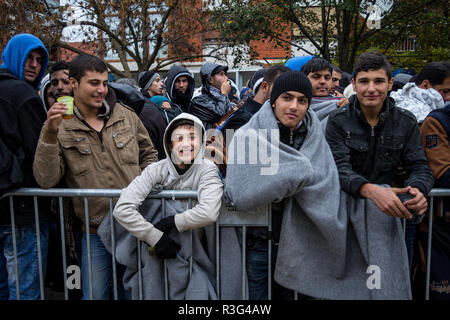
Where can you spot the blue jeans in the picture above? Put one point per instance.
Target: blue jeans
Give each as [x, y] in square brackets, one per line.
[102, 269]
[27, 260]
[257, 256]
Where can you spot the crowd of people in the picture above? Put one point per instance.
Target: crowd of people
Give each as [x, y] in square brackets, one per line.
[349, 156]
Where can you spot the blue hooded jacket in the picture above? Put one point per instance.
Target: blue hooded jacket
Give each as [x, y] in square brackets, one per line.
[16, 52]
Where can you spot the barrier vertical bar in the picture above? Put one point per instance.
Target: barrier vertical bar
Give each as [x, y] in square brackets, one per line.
[166, 281]
[63, 246]
[88, 241]
[269, 257]
[244, 247]
[38, 242]
[218, 262]
[192, 248]
[430, 231]
[113, 248]
[13, 230]
[138, 244]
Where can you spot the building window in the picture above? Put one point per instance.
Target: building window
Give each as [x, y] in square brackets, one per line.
[409, 44]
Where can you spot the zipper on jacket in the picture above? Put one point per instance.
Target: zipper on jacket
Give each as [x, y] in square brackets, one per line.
[291, 138]
[372, 134]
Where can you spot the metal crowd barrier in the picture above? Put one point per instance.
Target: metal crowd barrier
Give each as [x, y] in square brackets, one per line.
[228, 217]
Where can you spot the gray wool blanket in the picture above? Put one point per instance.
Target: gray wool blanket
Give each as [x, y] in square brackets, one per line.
[186, 281]
[332, 245]
[323, 108]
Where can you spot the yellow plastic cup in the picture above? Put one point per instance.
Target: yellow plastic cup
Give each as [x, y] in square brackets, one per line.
[68, 101]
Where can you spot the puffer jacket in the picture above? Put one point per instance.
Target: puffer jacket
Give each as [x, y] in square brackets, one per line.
[202, 175]
[366, 154]
[88, 161]
[417, 100]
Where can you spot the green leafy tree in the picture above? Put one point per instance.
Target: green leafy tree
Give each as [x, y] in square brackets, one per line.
[336, 29]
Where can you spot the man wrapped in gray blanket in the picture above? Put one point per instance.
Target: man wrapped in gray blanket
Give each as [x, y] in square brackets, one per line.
[331, 245]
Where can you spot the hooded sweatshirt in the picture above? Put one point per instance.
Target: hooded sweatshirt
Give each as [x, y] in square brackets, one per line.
[16, 52]
[21, 117]
[45, 83]
[183, 101]
[202, 175]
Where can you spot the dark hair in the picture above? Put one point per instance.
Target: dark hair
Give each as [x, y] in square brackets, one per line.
[316, 64]
[435, 72]
[337, 69]
[86, 62]
[58, 66]
[273, 72]
[372, 61]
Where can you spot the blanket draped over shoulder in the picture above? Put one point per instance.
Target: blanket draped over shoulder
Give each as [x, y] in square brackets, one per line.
[186, 280]
[332, 245]
[323, 108]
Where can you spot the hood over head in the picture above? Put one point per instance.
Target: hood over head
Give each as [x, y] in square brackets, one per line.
[208, 69]
[256, 80]
[182, 118]
[45, 83]
[16, 52]
[174, 73]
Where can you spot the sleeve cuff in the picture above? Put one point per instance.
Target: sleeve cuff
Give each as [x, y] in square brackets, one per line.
[153, 237]
[420, 186]
[355, 185]
[180, 222]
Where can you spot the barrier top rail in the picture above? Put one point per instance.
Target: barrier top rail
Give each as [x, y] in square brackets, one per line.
[110, 193]
[167, 194]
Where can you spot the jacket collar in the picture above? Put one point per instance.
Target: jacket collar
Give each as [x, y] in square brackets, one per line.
[388, 105]
[105, 112]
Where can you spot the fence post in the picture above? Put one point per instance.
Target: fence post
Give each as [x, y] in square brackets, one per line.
[13, 230]
[430, 231]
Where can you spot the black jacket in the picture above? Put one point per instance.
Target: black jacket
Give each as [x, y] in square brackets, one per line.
[22, 115]
[374, 154]
[147, 111]
[182, 101]
[167, 114]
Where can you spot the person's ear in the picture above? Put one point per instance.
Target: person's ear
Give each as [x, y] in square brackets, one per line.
[426, 84]
[73, 83]
[264, 86]
[391, 83]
